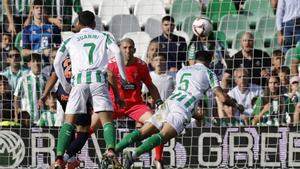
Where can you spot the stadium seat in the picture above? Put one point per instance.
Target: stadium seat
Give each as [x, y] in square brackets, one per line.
[267, 27]
[187, 25]
[153, 27]
[121, 24]
[87, 5]
[258, 41]
[145, 9]
[131, 3]
[109, 8]
[289, 56]
[65, 35]
[141, 40]
[168, 4]
[221, 38]
[99, 25]
[255, 9]
[184, 35]
[183, 8]
[216, 9]
[231, 25]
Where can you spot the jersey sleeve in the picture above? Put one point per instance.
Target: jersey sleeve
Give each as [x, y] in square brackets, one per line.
[60, 57]
[19, 88]
[25, 38]
[147, 80]
[212, 79]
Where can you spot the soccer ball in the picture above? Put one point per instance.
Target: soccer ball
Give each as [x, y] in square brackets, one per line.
[202, 26]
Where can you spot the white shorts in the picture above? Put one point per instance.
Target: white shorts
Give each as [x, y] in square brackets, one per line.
[175, 117]
[95, 94]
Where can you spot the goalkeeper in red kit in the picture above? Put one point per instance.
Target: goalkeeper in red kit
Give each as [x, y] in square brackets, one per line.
[137, 73]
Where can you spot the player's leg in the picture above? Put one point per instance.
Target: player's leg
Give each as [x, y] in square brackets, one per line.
[82, 134]
[167, 133]
[140, 113]
[158, 149]
[76, 105]
[170, 124]
[137, 135]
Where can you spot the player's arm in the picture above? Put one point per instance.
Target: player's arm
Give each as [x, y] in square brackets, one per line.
[49, 85]
[113, 83]
[154, 93]
[112, 46]
[17, 98]
[60, 56]
[226, 99]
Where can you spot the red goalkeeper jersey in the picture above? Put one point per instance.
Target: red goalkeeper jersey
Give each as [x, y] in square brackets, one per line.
[137, 73]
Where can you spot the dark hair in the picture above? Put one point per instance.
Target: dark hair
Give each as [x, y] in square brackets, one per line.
[86, 18]
[36, 57]
[277, 52]
[38, 2]
[167, 18]
[285, 69]
[203, 56]
[4, 79]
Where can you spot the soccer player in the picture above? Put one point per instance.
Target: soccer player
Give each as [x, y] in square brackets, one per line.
[87, 50]
[137, 73]
[176, 112]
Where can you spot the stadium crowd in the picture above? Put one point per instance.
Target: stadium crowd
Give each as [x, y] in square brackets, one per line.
[257, 79]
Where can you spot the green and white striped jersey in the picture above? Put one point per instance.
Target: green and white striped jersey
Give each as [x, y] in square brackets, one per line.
[30, 88]
[88, 53]
[47, 119]
[13, 78]
[191, 84]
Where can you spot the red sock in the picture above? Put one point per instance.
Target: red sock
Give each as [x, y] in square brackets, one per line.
[159, 152]
[91, 131]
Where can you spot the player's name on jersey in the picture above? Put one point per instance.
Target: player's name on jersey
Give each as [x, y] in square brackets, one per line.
[87, 37]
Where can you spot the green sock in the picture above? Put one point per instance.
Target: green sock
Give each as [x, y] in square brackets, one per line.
[149, 144]
[64, 138]
[109, 134]
[128, 139]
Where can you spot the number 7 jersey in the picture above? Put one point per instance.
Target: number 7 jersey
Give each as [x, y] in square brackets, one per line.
[191, 84]
[87, 50]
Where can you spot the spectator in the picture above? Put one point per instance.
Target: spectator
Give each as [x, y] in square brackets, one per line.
[271, 108]
[288, 23]
[244, 92]
[40, 36]
[256, 61]
[16, 12]
[61, 13]
[277, 62]
[175, 46]
[46, 71]
[30, 88]
[284, 76]
[295, 62]
[152, 50]
[294, 96]
[5, 47]
[6, 107]
[14, 72]
[49, 116]
[163, 81]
